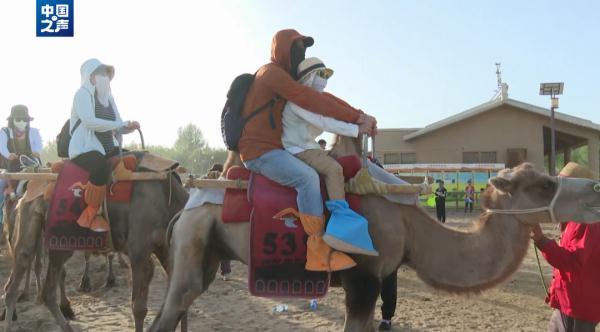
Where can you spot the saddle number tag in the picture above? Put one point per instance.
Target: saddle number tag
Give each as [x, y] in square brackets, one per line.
[284, 244]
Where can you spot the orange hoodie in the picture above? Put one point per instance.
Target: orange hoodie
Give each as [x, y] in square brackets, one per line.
[263, 132]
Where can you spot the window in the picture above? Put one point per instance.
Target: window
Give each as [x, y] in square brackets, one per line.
[488, 157]
[391, 158]
[470, 157]
[408, 158]
[514, 157]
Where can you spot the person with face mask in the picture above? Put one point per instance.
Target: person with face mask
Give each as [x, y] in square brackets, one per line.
[260, 145]
[17, 139]
[95, 127]
[347, 231]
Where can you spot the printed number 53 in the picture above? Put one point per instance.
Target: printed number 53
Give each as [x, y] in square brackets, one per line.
[270, 244]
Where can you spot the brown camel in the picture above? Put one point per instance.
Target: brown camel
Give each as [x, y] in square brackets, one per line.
[31, 213]
[138, 230]
[447, 259]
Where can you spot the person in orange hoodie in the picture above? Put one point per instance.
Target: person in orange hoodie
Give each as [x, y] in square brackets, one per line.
[262, 151]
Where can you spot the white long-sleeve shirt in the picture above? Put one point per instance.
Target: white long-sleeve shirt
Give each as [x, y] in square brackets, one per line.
[35, 141]
[301, 127]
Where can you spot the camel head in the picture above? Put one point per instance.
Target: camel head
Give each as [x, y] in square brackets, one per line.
[534, 197]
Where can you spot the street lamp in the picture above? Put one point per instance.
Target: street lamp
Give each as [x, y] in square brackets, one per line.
[552, 90]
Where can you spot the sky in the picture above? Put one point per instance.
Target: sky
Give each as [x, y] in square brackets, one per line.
[408, 63]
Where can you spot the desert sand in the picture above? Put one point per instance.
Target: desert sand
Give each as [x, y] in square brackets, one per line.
[516, 305]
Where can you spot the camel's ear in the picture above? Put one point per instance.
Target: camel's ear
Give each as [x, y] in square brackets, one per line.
[501, 184]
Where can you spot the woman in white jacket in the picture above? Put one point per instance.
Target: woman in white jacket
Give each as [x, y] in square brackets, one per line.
[347, 231]
[95, 120]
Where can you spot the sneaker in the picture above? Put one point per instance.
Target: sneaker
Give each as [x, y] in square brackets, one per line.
[385, 325]
[225, 277]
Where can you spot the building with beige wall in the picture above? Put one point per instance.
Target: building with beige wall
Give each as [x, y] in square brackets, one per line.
[501, 131]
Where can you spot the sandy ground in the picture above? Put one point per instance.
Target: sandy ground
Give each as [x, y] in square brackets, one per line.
[516, 305]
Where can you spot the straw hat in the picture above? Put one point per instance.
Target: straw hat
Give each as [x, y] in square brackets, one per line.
[574, 170]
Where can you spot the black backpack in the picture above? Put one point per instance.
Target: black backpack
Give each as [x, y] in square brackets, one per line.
[232, 121]
[64, 138]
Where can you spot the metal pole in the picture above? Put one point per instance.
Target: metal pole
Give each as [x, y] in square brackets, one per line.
[552, 140]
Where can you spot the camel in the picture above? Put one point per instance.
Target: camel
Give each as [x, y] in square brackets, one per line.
[28, 211]
[447, 259]
[138, 230]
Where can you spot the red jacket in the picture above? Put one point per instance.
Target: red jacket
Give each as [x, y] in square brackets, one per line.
[575, 290]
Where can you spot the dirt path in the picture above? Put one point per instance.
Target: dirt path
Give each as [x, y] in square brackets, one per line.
[517, 305]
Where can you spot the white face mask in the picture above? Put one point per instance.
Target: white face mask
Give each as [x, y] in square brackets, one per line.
[319, 83]
[20, 124]
[102, 88]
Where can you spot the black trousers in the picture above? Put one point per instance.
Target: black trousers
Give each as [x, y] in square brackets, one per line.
[389, 292]
[440, 209]
[95, 163]
[469, 206]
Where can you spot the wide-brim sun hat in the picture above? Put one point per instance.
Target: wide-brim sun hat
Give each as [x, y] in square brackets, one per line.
[310, 65]
[19, 111]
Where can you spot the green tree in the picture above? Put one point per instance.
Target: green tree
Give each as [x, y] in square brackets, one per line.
[49, 153]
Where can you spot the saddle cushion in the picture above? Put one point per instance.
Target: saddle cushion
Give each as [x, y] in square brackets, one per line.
[121, 191]
[236, 205]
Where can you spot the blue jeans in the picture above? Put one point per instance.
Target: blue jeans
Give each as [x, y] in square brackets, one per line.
[287, 170]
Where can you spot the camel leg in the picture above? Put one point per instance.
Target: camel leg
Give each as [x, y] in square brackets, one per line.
[142, 270]
[65, 304]
[38, 270]
[20, 264]
[194, 268]
[362, 291]
[23, 251]
[25, 293]
[85, 286]
[54, 277]
[110, 279]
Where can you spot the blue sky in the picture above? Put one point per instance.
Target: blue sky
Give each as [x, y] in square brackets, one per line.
[409, 63]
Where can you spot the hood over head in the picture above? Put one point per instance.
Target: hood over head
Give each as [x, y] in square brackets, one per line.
[88, 67]
[281, 47]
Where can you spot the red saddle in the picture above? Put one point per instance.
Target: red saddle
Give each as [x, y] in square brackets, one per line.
[237, 204]
[278, 246]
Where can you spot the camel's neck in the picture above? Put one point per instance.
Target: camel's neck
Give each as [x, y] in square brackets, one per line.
[468, 261]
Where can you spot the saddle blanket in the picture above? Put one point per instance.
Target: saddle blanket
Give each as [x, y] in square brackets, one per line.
[278, 246]
[62, 231]
[199, 197]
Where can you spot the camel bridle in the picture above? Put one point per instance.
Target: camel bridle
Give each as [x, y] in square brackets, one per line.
[549, 208]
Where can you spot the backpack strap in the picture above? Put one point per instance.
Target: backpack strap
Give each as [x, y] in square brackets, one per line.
[266, 106]
[75, 126]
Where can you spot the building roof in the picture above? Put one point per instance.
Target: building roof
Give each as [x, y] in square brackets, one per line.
[495, 104]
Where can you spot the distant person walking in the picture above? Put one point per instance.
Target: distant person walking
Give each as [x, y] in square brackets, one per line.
[469, 196]
[440, 201]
